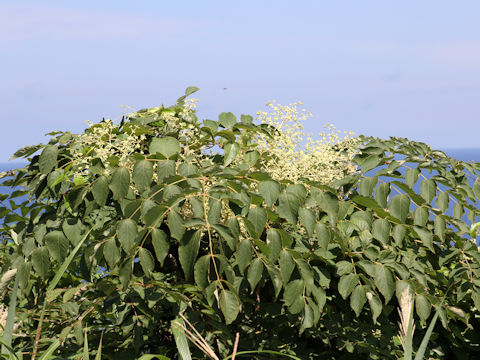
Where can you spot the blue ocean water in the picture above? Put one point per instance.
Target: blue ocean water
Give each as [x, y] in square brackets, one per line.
[464, 154]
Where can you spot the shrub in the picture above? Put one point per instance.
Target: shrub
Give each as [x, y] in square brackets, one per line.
[239, 228]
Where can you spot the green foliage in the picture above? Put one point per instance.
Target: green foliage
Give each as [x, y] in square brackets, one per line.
[170, 216]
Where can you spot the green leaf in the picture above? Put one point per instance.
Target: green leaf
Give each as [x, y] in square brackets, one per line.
[143, 174]
[381, 231]
[411, 177]
[244, 254]
[48, 159]
[420, 216]
[125, 273]
[399, 232]
[258, 217]
[442, 201]
[367, 185]
[307, 219]
[428, 190]
[120, 183]
[476, 189]
[165, 169]
[306, 272]
[146, 261]
[215, 211]
[399, 207]
[293, 291]
[417, 199]
[358, 299]
[227, 120]
[111, 252]
[201, 271]
[384, 282]
[426, 237]
[307, 319]
[327, 202]
[440, 227]
[190, 90]
[422, 307]
[346, 284]
[458, 211]
[226, 234]
[286, 265]
[288, 207]
[381, 194]
[343, 267]
[229, 305]
[269, 190]
[57, 245]
[322, 234]
[188, 251]
[370, 163]
[100, 190]
[175, 224]
[255, 273]
[167, 146]
[226, 134]
[26, 151]
[251, 157]
[41, 261]
[127, 233]
[375, 305]
[154, 215]
[231, 151]
[274, 243]
[160, 244]
[276, 278]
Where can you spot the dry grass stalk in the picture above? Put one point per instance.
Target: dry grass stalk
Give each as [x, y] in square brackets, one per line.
[196, 338]
[199, 341]
[405, 309]
[235, 346]
[3, 317]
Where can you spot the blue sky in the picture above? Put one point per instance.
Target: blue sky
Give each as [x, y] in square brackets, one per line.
[380, 68]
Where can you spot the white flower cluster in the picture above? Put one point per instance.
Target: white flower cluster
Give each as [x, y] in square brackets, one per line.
[103, 141]
[324, 160]
[106, 142]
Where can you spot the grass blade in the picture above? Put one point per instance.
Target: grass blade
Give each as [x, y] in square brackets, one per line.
[426, 338]
[240, 353]
[8, 350]
[53, 283]
[180, 340]
[85, 346]
[59, 273]
[47, 354]
[98, 356]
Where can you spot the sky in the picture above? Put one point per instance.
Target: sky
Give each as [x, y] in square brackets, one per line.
[379, 68]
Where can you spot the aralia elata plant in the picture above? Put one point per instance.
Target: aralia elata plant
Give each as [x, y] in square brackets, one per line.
[301, 246]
